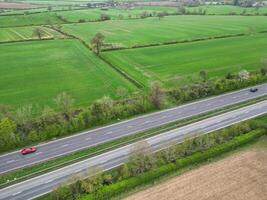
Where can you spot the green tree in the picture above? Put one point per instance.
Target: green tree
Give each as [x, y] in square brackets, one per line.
[7, 133]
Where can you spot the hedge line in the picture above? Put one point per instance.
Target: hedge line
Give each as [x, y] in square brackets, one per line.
[115, 189]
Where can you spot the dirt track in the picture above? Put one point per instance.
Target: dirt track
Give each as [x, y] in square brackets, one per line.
[239, 177]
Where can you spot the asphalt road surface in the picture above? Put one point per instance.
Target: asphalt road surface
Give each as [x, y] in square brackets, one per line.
[83, 140]
[45, 183]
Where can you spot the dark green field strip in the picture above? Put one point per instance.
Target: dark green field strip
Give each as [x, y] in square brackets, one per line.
[176, 62]
[36, 72]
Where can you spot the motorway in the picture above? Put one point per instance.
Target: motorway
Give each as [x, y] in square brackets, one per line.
[45, 183]
[90, 138]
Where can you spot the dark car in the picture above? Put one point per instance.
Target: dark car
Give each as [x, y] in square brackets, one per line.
[28, 150]
[253, 89]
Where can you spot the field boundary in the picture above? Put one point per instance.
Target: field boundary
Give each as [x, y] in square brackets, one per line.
[180, 42]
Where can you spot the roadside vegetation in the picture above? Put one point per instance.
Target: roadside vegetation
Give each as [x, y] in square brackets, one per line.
[144, 167]
[28, 124]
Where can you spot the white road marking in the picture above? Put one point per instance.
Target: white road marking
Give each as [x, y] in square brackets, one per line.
[163, 116]
[88, 139]
[16, 193]
[108, 133]
[10, 161]
[146, 122]
[49, 181]
[65, 145]
[38, 153]
[129, 126]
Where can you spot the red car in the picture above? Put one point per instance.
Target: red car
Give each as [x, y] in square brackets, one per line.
[28, 150]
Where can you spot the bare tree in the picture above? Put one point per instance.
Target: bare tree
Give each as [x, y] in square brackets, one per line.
[156, 94]
[38, 32]
[97, 42]
[65, 103]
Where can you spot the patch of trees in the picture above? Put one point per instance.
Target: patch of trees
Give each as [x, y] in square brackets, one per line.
[31, 124]
[144, 166]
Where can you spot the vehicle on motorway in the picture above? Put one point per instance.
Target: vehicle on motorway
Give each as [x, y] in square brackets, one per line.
[253, 89]
[28, 150]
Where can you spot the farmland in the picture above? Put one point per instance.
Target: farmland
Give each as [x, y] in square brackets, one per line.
[181, 62]
[228, 9]
[26, 33]
[239, 176]
[127, 33]
[32, 19]
[36, 72]
[119, 13]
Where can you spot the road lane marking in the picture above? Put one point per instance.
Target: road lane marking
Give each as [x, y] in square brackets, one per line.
[49, 181]
[10, 161]
[65, 145]
[108, 133]
[129, 126]
[163, 116]
[88, 138]
[146, 122]
[16, 193]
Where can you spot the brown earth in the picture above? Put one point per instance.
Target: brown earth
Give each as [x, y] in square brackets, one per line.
[4, 5]
[242, 176]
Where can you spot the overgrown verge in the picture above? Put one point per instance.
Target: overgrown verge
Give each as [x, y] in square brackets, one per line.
[19, 175]
[144, 167]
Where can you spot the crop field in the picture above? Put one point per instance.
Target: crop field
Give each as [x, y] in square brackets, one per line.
[36, 72]
[94, 14]
[127, 33]
[26, 33]
[181, 62]
[31, 19]
[236, 177]
[228, 9]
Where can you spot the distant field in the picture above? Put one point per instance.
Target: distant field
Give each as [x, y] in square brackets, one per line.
[36, 72]
[128, 33]
[94, 14]
[228, 9]
[181, 62]
[25, 33]
[36, 10]
[35, 19]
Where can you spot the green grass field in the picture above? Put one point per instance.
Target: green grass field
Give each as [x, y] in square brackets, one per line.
[26, 33]
[181, 62]
[94, 14]
[36, 72]
[228, 9]
[173, 28]
[26, 20]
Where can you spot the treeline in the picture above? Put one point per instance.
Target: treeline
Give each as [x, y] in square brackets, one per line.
[143, 166]
[30, 124]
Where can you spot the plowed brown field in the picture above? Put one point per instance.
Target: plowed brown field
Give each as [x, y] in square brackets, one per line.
[242, 176]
